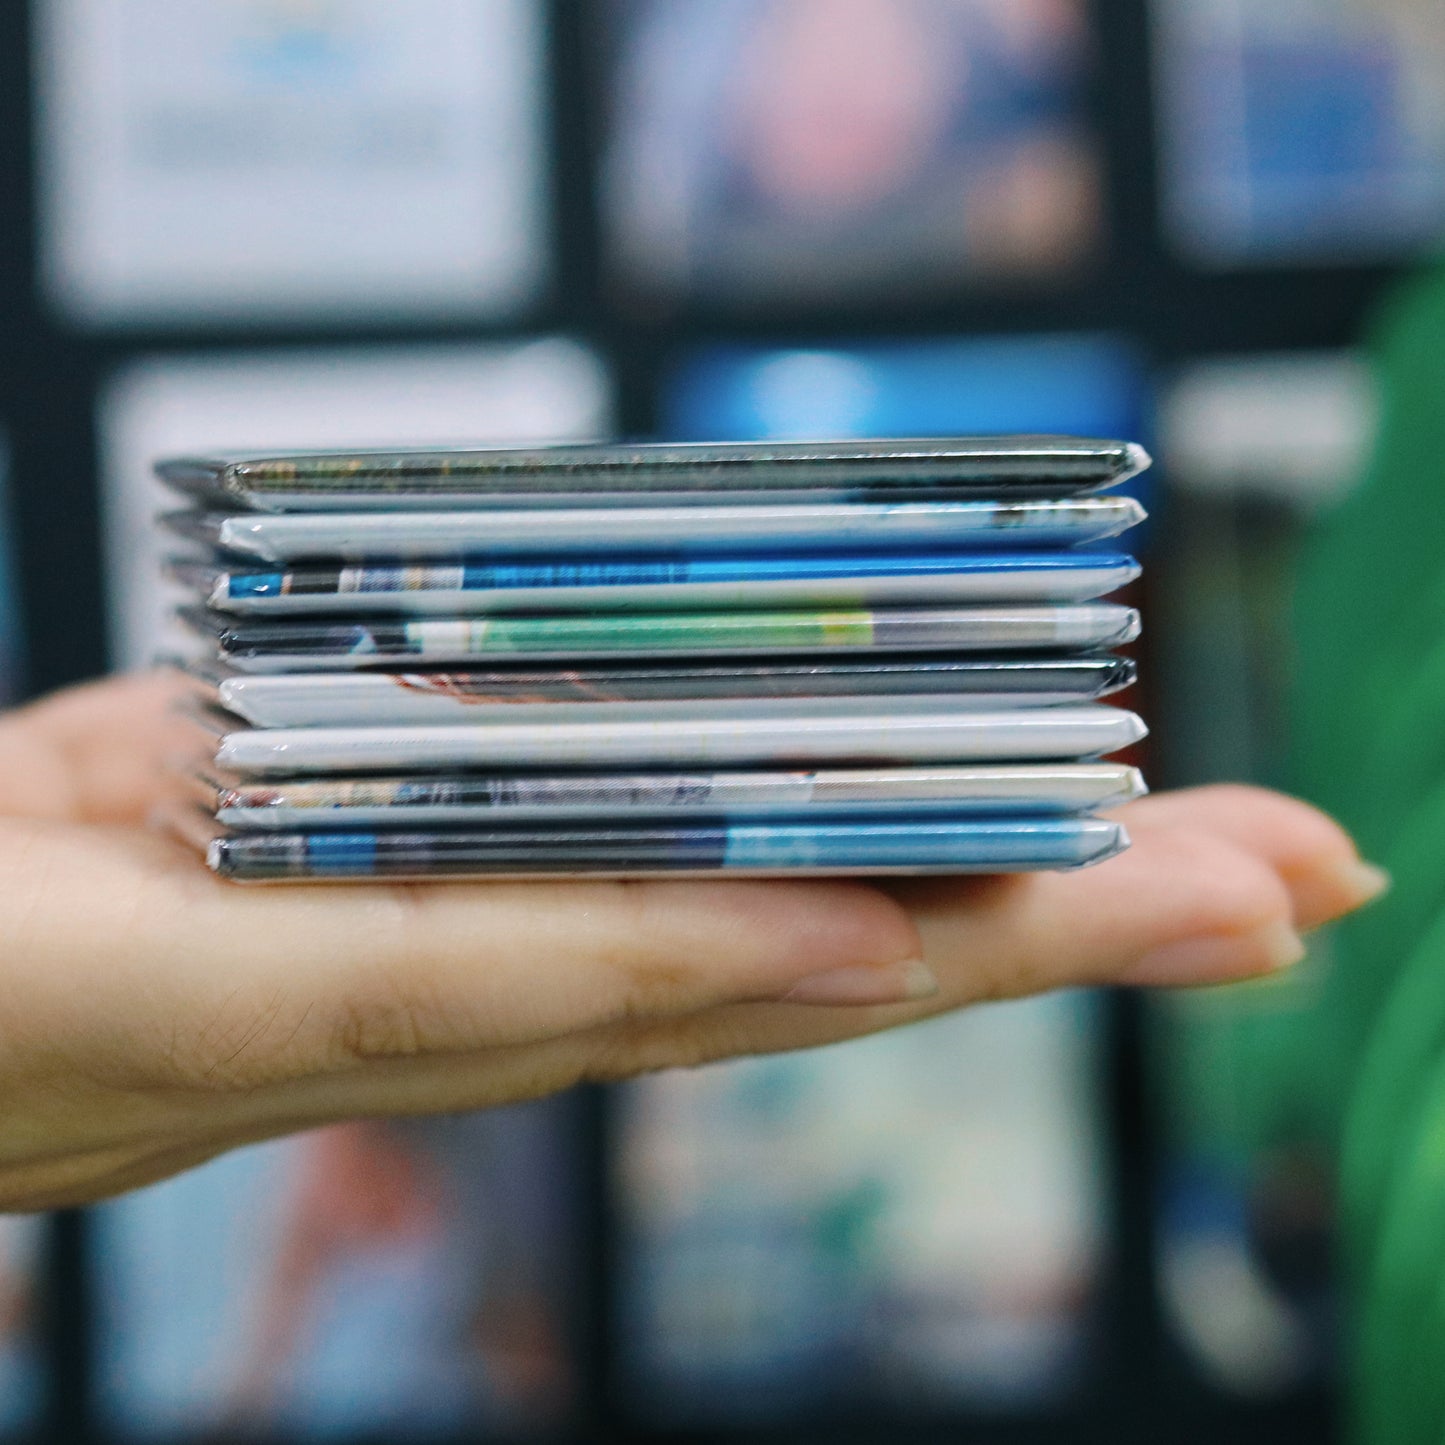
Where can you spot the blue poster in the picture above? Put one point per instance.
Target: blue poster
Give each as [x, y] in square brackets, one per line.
[1080, 384]
[1301, 133]
[389, 1279]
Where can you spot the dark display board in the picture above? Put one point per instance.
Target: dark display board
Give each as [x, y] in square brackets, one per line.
[757, 217]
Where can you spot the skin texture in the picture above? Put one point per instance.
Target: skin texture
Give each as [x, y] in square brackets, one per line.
[152, 1017]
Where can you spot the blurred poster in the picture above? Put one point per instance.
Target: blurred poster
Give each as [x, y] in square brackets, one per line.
[386, 1280]
[547, 390]
[1087, 385]
[847, 151]
[22, 1240]
[1302, 132]
[291, 160]
[911, 1224]
[1292, 427]
[1084, 384]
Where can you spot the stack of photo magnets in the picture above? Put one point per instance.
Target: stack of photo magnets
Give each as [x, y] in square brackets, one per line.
[766, 659]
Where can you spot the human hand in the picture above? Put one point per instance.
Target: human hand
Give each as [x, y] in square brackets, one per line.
[153, 1016]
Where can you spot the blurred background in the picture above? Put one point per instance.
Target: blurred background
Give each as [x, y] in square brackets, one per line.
[285, 223]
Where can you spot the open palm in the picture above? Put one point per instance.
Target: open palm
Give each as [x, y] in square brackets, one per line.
[153, 1016]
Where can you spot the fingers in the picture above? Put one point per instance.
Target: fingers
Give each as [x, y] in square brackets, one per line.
[152, 1014]
[1313, 856]
[1210, 893]
[283, 983]
[264, 984]
[1184, 906]
[90, 753]
[1181, 907]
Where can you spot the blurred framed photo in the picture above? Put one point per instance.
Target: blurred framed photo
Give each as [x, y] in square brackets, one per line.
[909, 1225]
[399, 1280]
[1301, 134]
[1084, 384]
[546, 390]
[847, 151]
[291, 160]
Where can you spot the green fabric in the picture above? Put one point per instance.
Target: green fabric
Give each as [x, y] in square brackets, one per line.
[1256, 1070]
[1375, 561]
[1369, 745]
[1369, 947]
[1399, 1382]
[1407, 1039]
[1369, 625]
[1407, 757]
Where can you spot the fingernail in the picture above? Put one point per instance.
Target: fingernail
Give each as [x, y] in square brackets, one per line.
[1221, 957]
[1362, 882]
[856, 987]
